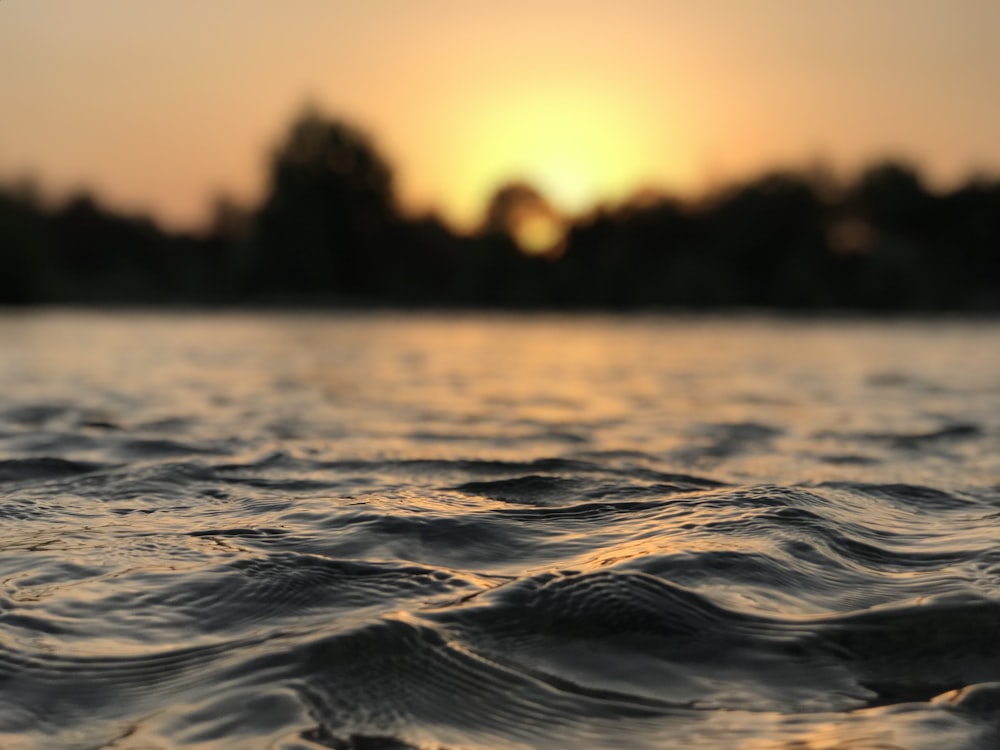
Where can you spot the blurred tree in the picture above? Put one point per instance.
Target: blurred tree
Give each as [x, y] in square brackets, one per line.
[225, 250]
[767, 241]
[629, 255]
[101, 255]
[328, 212]
[329, 229]
[24, 245]
[970, 243]
[891, 197]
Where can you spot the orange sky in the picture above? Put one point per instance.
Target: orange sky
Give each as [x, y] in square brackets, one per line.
[161, 106]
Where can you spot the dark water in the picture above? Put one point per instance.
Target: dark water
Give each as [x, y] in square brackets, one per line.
[379, 532]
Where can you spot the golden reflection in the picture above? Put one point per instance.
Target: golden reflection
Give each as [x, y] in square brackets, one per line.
[878, 728]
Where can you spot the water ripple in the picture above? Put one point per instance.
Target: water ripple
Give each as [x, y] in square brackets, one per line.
[760, 544]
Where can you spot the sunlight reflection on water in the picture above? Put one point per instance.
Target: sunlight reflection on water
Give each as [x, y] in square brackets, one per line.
[295, 529]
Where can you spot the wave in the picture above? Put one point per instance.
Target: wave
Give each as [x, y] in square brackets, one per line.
[500, 610]
[745, 546]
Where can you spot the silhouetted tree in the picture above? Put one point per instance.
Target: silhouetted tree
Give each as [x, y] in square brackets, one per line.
[101, 255]
[967, 233]
[660, 236]
[766, 236]
[24, 246]
[891, 200]
[329, 229]
[891, 197]
[324, 225]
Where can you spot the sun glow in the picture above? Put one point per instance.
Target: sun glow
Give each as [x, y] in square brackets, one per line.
[575, 146]
[540, 234]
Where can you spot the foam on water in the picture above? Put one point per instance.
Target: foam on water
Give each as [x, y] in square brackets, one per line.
[376, 531]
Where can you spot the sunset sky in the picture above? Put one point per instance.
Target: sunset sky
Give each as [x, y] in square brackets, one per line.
[162, 106]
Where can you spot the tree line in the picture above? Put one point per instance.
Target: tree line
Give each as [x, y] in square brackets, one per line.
[329, 230]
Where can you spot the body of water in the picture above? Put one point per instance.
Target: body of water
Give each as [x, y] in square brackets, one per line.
[382, 531]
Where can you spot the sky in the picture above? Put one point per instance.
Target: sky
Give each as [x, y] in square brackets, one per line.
[164, 106]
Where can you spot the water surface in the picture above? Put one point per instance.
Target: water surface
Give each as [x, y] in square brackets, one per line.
[376, 530]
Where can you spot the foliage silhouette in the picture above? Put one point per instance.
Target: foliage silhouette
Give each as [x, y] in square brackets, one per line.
[325, 222]
[330, 231]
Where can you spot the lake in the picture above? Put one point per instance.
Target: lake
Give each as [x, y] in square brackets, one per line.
[385, 530]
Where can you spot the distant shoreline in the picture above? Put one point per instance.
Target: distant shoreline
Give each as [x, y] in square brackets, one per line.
[378, 309]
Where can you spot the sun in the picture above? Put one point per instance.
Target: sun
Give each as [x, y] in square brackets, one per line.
[577, 145]
[540, 234]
